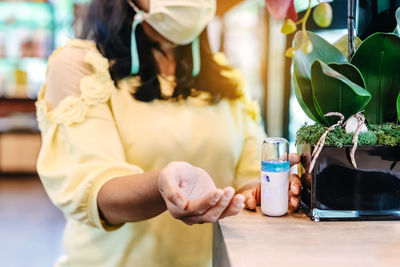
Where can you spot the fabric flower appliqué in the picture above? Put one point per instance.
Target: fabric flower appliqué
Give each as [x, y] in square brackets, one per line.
[95, 59]
[96, 88]
[71, 110]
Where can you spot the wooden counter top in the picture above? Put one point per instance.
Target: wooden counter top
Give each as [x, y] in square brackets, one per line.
[252, 239]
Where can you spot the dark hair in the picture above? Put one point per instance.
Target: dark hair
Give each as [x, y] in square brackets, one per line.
[109, 24]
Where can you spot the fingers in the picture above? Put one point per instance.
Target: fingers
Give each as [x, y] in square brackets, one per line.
[295, 184]
[251, 203]
[199, 206]
[294, 159]
[195, 207]
[187, 190]
[252, 197]
[213, 214]
[236, 205]
[294, 191]
[294, 202]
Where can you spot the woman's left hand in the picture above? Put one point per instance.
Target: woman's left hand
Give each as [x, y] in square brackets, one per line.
[253, 194]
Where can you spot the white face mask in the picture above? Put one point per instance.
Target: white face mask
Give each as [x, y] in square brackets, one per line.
[179, 21]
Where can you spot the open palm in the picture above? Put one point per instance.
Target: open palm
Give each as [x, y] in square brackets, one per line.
[191, 195]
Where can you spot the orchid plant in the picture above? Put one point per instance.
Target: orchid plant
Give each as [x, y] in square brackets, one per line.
[332, 78]
[331, 82]
[328, 80]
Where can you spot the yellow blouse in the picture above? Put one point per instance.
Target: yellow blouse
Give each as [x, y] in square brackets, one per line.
[93, 131]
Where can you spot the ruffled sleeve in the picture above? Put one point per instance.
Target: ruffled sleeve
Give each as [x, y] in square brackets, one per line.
[81, 149]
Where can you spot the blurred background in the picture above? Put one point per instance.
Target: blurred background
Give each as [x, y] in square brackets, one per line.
[30, 227]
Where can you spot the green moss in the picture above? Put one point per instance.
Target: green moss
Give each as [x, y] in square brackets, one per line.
[387, 134]
[368, 138]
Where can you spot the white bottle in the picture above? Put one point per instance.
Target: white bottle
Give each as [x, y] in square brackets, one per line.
[275, 169]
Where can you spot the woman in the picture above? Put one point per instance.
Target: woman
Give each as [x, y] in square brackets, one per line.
[126, 117]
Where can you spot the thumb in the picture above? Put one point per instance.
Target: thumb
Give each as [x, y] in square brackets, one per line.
[251, 203]
[294, 159]
[250, 200]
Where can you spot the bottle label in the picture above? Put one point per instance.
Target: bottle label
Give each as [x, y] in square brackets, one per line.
[275, 166]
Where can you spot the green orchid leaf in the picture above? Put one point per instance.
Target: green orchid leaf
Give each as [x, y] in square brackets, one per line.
[397, 30]
[350, 72]
[302, 62]
[342, 44]
[338, 88]
[398, 107]
[300, 99]
[378, 59]
[334, 92]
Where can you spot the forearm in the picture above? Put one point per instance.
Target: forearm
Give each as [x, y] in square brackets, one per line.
[131, 198]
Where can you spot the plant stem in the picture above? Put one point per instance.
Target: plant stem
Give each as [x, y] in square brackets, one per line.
[304, 21]
[351, 13]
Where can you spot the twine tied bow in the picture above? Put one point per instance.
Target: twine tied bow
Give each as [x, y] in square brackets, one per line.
[321, 142]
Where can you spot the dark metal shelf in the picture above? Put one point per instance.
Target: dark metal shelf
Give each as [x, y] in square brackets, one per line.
[9, 106]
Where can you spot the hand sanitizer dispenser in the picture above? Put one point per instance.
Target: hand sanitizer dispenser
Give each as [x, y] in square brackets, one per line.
[275, 167]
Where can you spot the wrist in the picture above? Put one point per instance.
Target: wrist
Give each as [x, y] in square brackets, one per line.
[159, 174]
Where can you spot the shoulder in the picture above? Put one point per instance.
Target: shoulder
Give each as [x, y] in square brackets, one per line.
[77, 56]
[72, 69]
[77, 77]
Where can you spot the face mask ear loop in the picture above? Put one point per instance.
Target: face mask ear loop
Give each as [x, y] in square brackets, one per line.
[196, 57]
[134, 51]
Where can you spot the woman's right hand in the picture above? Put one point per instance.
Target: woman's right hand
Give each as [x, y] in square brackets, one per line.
[191, 196]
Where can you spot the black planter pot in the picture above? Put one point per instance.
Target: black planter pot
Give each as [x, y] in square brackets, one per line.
[335, 190]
